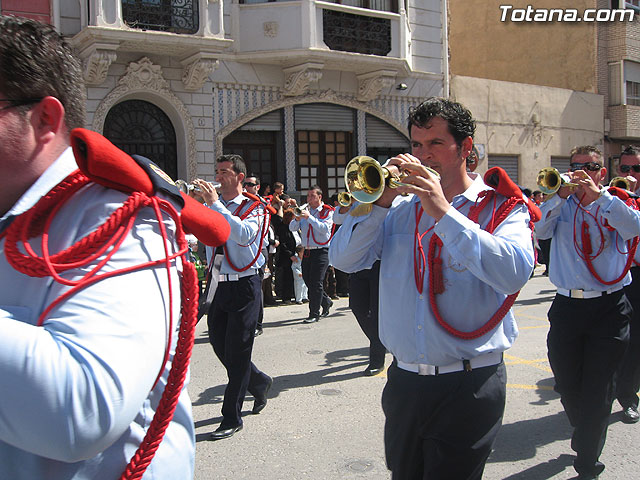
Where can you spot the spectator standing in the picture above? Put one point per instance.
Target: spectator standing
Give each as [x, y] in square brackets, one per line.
[301, 291]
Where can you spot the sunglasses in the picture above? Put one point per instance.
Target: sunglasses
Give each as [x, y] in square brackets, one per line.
[628, 168]
[591, 166]
[249, 184]
[18, 102]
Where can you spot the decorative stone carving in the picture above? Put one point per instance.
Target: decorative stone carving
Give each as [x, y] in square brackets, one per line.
[300, 78]
[145, 77]
[371, 84]
[270, 29]
[196, 71]
[392, 110]
[96, 61]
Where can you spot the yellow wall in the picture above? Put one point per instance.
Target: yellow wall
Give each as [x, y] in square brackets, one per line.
[557, 54]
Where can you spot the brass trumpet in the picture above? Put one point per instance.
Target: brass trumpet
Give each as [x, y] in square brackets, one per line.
[365, 179]
[187, 188]
[345, 199]
[550, 180]
[620, 182]
[297, 211]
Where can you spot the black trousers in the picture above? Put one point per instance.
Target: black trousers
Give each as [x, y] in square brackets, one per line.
[628, 375]
[442, 426]
[232, 321]
[586, 342]
[363, 301]
[314, 267]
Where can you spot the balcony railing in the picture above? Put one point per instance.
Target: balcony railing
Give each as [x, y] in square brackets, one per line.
[356, 33]
[175, 16]
[382, 5]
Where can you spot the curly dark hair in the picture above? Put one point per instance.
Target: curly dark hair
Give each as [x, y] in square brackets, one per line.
[36, 62]
[459, 119]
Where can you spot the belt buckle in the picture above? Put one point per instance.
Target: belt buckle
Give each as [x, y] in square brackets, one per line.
[576, 293]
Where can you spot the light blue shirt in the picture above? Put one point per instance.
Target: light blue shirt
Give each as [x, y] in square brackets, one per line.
[314, 231]
[244, 239]
[479, 269]
[77, 393]
[566, 268]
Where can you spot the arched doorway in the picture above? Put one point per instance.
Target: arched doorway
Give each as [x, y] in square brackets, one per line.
[141, 128]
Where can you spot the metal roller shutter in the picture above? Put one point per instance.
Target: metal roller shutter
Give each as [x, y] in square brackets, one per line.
[508, 163]
[271, 121]
[324, 116]
[382, 135]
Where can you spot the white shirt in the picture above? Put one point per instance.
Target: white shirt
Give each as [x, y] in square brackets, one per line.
[479, 271]
[77, 396]
[562, 222]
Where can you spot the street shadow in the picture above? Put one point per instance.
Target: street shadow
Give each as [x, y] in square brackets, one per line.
[521, 440]
[334, 370]
[533, 301]
[546, 470]
[545, 391]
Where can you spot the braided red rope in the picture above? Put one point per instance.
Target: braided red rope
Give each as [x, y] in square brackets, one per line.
[435, 244]
[105, 241]
[175, 381]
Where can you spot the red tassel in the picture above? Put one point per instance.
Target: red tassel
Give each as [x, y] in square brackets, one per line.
[437, 280]
[586, 240]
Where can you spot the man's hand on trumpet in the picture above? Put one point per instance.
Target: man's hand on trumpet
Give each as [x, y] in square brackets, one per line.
[587, 190]
[207, 191]
[422, 183]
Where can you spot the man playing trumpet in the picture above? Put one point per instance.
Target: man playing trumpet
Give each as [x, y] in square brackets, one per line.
[448, 276]
[628, 374]
[592, 245]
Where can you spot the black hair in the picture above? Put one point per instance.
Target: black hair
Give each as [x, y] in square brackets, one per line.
[36, 62]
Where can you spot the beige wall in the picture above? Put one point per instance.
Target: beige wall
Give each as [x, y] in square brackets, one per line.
[531, 122]
[556, 54]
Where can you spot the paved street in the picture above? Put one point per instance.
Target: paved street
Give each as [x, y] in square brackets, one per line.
[324, 420]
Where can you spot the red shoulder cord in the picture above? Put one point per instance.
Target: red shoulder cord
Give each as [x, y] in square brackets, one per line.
[321, 217]
[586, 251]
[106, 241]
[261, 231]
[436, 283]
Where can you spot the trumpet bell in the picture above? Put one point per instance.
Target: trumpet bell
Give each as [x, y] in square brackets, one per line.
[365, 179]
[620, 182]
[345, 199]
[550, 180]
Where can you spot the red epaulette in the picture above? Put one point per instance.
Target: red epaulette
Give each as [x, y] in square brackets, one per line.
[256, 198]
[324, 211]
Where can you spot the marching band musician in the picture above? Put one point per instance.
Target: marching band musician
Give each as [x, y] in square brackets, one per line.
[234, 312]
[90, 311]
[447, 281]
[592, 244]
[628, 374]
[315, 224]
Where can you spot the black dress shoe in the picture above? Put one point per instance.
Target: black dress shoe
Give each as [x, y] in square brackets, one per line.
[325, 310]
[258, 332]
[261, 400]
[224, 432]
[311, 319]
[630, 415]
[371, 371]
